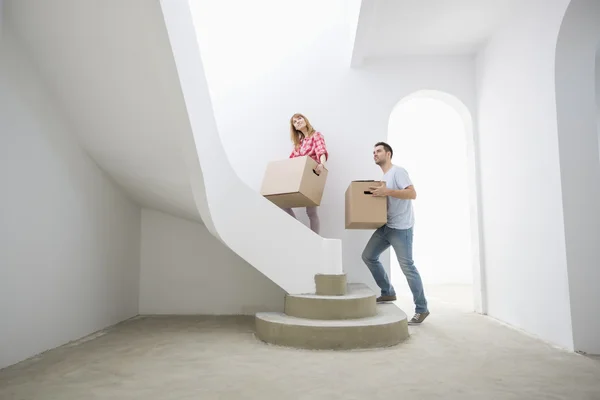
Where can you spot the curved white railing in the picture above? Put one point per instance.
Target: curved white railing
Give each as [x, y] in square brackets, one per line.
[280, 247]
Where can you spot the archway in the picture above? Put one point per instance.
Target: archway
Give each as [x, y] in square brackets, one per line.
[598, 97]
[431, 133]
[576, 71]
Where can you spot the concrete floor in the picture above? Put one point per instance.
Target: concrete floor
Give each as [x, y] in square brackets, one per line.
[454, 355]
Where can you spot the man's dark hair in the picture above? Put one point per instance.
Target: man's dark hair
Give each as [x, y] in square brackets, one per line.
[386, 147]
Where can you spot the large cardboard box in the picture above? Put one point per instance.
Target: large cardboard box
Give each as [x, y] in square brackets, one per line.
[363, 211]
[294, 183]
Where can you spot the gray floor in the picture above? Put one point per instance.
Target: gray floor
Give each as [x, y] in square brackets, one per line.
[454, 355]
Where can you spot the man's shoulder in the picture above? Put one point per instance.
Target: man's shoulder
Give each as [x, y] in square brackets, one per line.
[400, 176]
[396, 169]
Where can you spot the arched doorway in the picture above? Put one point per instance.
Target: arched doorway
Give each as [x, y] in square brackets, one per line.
[576, 89]
[431, 133]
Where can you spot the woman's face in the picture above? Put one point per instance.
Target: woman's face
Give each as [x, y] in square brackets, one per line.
[298, 122]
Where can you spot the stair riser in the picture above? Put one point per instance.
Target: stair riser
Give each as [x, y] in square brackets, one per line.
[332, 338]
[331, 285]
[330, 308]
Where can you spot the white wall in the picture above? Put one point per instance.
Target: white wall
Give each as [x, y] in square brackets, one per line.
[278, 67]
[525, 262]
[598, 96]
[185, 270]
[69, 239]
[576, 50]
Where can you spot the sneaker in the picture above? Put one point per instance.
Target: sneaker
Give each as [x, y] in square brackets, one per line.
[382, 299]
[418, 318]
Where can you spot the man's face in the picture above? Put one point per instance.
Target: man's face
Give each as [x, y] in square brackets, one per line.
[380, 156]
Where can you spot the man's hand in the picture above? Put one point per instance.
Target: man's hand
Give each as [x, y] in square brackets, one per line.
[379, 191]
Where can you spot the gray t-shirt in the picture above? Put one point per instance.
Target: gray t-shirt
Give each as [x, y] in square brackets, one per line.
[400, 213]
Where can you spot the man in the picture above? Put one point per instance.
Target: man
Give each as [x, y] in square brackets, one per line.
[397, 232]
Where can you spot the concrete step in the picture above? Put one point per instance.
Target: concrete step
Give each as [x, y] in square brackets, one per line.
[331, 285]
[387, 328]
[358, 302]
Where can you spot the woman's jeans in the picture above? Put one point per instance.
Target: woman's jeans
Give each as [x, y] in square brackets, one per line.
[313, 217]
[401, 240]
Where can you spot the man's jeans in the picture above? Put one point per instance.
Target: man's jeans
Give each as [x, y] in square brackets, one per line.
[401, 240]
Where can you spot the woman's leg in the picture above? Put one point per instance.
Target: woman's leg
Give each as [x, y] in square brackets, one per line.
[313, 216]
[289, 211]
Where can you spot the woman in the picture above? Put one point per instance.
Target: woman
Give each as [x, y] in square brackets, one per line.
[308, 142]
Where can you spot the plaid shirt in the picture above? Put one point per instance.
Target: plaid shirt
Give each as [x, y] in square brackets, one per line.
[313, 147]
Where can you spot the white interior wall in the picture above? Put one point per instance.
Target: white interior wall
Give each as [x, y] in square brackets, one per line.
[258, 80]
[578, 139]
[186, 270]
[69, 238]
[525, 261]
[598, 96]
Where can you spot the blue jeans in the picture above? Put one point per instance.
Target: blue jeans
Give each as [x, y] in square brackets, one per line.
[401, 240]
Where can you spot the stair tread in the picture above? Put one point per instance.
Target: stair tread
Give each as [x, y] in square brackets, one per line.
[386, 313]
[353, 291]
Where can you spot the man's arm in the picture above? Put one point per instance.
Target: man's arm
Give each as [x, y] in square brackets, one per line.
[409, 193]
[402, 180]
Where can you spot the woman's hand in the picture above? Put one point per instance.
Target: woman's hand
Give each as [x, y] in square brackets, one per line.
[319, 169]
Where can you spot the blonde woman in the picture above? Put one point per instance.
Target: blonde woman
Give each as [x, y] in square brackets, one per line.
[308, 142]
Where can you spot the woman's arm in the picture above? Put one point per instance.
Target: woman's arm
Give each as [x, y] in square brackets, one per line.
[320, 148]
[323, 159]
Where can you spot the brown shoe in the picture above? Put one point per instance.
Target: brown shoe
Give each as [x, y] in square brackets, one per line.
[418, 318]
[382, 299]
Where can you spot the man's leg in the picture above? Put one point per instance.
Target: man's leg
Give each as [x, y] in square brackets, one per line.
[313, 217]
[402, 241]
[377, 245]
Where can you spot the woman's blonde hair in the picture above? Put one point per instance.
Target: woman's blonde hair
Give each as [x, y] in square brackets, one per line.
[296, 135]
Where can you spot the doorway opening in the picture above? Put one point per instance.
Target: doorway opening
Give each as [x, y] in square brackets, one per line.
[432, 136]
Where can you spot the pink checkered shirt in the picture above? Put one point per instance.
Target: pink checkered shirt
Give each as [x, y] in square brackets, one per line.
[313, 147]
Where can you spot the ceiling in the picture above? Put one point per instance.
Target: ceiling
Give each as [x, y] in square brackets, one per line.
[396, 28]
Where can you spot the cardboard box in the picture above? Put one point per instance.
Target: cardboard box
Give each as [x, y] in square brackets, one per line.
[294, 183]
[363, 211]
